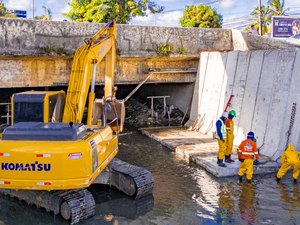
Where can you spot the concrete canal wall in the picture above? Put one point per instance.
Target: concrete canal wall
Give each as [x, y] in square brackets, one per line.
[35, 53]
[265, 84]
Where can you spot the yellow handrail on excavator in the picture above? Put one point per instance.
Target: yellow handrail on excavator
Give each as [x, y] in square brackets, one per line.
[86, 58]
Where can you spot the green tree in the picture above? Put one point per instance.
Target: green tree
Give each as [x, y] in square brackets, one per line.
[4, 12]
[201, 16]
[105, 10]
[47, 14]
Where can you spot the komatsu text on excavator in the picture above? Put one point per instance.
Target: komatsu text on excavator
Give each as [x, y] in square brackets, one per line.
[49, 158]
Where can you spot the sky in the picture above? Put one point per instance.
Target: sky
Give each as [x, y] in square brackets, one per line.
[236, 13]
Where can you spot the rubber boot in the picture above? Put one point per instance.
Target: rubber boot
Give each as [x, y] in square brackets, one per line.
[249, 181]
[221, 164]
[228, 159]
[277, 180]
[231, 159]
[240, 179]
[295, 181]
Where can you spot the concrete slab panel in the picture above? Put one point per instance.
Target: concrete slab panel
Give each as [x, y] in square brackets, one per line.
[239, 88]
[223, 89]
[293, 97]
[278, 105]
[212, 90]
[232, 59]
[263, 101]
[248, 105]
[199, 84]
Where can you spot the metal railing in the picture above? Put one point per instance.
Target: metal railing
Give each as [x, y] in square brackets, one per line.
[7, 115]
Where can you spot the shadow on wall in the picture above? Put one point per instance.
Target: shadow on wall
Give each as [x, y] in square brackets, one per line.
[265, 86]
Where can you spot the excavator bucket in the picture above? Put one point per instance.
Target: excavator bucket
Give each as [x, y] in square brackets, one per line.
[114, 114]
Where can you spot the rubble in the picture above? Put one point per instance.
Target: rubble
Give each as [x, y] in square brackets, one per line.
[139, 114]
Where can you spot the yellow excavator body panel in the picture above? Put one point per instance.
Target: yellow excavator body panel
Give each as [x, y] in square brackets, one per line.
[56, 165]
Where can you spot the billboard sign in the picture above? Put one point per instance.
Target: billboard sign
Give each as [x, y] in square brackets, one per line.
[20, 13]
[284, 26]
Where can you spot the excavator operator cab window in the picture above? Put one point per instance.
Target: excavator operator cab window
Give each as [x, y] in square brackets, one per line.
[28, 111]
[38, 107]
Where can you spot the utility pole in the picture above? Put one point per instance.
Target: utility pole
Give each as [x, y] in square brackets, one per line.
[259, 19]
[32, 9]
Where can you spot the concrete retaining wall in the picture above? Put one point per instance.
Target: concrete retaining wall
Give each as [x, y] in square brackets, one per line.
[265, 84]
[55, 71]
[27, 37]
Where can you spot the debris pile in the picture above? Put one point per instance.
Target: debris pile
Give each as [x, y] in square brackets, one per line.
[140, 115]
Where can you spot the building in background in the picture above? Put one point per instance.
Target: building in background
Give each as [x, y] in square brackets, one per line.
[19, 13]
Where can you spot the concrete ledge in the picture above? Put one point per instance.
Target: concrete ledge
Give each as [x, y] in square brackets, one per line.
[202, 150]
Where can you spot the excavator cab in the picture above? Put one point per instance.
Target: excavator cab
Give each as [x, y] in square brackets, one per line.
[38, 106]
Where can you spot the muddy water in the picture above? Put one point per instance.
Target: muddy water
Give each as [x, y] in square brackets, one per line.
[183, 194]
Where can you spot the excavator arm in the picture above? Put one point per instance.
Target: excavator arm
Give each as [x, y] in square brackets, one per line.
[83, 74]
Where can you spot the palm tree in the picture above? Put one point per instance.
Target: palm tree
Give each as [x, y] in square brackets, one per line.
[277, 7]
[265, 19]
[47, 14]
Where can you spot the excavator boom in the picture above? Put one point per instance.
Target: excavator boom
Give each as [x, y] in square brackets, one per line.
[84, 71]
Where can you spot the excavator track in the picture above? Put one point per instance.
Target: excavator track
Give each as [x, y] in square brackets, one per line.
[132, 180]
[78, 205]
[73, 205]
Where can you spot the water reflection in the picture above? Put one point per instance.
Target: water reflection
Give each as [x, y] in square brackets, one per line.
[117, 204]
[183, 194]
[290, 199]
[225, 203]
[246, 204]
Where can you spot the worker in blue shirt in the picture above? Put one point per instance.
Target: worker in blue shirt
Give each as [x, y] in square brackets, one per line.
[221, 135]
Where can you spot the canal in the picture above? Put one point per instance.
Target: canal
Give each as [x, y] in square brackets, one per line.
[183, 194]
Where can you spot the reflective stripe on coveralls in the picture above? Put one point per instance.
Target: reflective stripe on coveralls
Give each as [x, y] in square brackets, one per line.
[289, 158]
[223, 130]
[247, 151]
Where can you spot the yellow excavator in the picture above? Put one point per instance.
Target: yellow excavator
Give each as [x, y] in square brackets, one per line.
[48, 157]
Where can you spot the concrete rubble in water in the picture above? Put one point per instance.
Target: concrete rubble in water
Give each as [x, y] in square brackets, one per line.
[139, 115]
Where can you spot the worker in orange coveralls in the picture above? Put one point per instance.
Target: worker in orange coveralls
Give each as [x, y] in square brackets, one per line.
[289, 158]
[247, 152]
[230, 129]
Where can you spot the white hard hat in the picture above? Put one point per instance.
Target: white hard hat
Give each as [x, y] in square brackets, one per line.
[225, 114]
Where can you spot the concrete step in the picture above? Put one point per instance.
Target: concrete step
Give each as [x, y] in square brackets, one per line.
[202, 150]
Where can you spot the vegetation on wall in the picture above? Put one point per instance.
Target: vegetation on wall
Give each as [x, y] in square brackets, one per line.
[164, 49]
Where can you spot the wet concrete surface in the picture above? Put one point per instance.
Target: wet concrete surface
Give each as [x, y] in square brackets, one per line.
[202, 150]
[183, 194]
